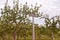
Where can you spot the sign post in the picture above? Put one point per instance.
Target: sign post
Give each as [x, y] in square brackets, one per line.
[33, 28]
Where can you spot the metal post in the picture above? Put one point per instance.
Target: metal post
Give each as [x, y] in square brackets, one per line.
[33, 30]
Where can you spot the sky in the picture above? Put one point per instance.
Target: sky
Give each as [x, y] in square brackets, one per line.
[51, 7]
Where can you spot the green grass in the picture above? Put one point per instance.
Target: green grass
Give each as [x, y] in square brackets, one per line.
[37, 38]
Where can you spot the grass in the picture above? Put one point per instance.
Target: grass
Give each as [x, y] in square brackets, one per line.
[37, 38]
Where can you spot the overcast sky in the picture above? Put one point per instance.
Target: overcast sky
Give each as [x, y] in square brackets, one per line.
[51, 7]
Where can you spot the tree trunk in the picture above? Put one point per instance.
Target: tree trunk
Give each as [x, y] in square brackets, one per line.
[4, 36]
[40, 37]
[18, 37]
[14, 36]
[25, 35]
[52, 35]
